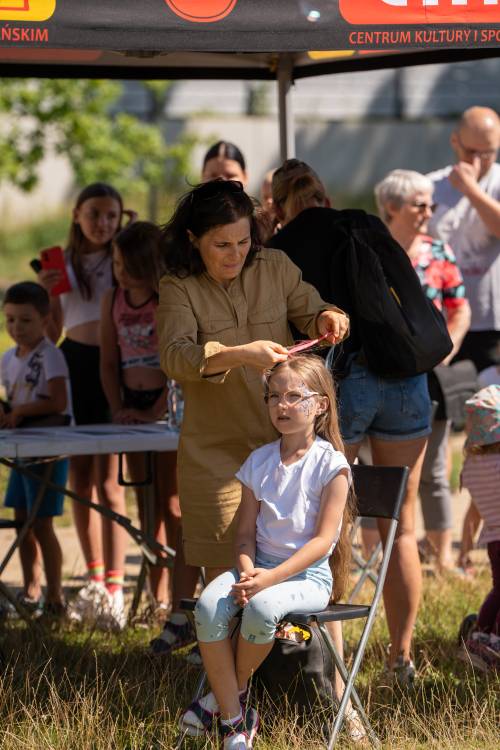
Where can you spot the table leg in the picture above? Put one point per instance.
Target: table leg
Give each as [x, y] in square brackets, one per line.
[149, 500]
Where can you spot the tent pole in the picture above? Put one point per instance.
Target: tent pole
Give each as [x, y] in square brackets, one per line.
[285, 107]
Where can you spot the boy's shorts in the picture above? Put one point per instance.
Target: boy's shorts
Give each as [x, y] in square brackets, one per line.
[22, 490]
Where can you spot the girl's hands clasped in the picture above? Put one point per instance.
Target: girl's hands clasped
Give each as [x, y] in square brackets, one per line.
[251, 583]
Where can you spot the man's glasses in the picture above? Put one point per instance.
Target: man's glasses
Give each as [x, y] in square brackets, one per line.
[290, 398]
[486, 155]
[424, 206]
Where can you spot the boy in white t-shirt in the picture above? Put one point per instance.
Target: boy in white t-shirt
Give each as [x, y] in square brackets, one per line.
[35, 376]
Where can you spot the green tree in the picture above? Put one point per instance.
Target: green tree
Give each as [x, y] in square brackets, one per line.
[81, 120]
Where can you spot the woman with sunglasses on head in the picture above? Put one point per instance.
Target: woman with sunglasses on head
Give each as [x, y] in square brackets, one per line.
[370, 406]
[404, 200]
[223, 319]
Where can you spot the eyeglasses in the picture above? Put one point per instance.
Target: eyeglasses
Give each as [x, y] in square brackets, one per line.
[424, 206]
[290, 398]
[486, 155]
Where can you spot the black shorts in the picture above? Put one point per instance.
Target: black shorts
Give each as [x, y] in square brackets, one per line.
[140, 399]
[90, 405]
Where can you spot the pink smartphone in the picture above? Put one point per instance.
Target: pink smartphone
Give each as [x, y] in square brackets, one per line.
[53, 258]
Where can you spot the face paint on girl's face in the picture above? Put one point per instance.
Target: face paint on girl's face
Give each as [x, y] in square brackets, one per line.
[293, 406]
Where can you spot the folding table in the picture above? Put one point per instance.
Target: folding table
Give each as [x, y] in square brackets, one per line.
[44, 443]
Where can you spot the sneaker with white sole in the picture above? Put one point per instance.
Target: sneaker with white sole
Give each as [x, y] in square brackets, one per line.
[89, 604]
[113, 615]
[240, 736]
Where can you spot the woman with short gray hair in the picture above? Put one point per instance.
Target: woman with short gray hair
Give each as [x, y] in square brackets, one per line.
[404, 201]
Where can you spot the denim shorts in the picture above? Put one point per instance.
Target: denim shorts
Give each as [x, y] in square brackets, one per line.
[398, 409]
[319, 572]
[22, 490]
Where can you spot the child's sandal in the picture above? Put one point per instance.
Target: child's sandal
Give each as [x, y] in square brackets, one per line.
[193, 729]
[240, 736]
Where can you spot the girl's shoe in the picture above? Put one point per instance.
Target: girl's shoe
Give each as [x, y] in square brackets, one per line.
[477, 652]
[354, 726]
[403, 673]
[172, 638]
[240, 736]
[89, 604]
[466, 628]
[197, 720]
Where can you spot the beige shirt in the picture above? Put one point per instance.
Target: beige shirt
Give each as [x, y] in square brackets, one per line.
[225, 417]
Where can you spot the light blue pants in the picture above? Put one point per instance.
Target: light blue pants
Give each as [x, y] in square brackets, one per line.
[216, 606]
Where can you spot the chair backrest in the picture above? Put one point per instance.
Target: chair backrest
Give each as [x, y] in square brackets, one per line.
[379, 490]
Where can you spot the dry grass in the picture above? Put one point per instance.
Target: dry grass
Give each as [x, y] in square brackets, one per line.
[93, 691]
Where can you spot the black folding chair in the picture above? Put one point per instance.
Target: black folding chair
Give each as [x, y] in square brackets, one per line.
[380, 491]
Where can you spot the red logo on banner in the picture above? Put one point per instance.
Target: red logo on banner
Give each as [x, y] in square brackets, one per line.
[420, 11]
[202, 11]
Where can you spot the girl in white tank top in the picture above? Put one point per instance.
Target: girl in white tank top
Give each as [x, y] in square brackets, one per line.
[97, 216]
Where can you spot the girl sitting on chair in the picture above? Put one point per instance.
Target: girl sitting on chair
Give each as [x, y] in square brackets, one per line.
[292, 522]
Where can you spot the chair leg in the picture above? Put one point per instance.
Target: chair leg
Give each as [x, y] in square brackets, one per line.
[367, 571]
[349, 691]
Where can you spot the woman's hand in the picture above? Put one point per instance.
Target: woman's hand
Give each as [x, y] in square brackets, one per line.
[246, 589]
[263, 354]
[334, 323]
[49, 278]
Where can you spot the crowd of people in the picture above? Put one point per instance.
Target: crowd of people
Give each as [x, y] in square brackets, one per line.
[213, 302]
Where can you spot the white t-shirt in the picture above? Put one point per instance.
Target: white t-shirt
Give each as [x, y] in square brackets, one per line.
[477, 251]
[76, 309]
[289, 496]
[26, 378]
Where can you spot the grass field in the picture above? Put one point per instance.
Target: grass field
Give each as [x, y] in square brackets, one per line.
[94, 691]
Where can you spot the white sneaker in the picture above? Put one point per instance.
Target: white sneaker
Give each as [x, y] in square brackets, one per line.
[113, 616]
[88, 604]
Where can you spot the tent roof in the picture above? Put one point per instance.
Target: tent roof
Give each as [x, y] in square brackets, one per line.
[159, 38]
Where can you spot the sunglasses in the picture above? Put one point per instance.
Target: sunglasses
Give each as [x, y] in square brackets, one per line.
[486, 155]
[424, 206]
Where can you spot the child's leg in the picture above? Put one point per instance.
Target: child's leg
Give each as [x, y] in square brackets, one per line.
[263, 613]
[112, 496]
[52, 558]
[471, 522]
[31, 561]
[214, 611]
[87, 522]
[489, 615]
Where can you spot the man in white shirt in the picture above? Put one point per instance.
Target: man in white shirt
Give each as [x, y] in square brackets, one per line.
[467, 217]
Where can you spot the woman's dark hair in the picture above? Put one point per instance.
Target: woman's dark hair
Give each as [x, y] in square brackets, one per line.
[76, 239]
[225, 150]
[139, 246]
[28, 293]
[209, 205]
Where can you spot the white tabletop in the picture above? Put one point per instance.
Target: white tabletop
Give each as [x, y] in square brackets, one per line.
[44, 442]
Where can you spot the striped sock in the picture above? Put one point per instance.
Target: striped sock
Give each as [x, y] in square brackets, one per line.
[96, 571]
[114, 580]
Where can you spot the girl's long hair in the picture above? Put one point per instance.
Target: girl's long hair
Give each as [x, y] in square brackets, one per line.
[139, 246]
[76, 239]
[317, 377]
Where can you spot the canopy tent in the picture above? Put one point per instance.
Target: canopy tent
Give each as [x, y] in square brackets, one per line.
[252, 39]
